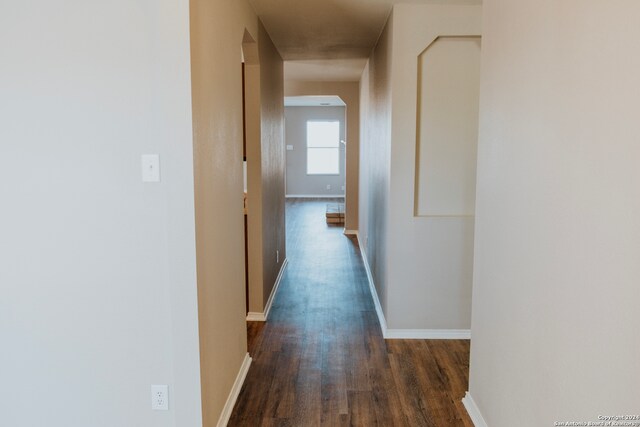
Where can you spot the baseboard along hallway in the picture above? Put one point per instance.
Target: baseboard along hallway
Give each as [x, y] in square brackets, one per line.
[321, 360]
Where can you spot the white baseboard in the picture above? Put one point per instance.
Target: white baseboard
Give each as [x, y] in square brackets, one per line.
[372, 288]
[428, 334]
[315, 196]
[267, 309]
[407, 334]
[235, 392]
[350, 232]
[473, 411]
[255, 316]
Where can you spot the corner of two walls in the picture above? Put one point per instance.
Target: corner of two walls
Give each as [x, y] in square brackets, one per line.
[422, 267]
[217, 31]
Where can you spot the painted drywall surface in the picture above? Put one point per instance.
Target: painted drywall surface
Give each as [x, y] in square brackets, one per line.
[349, 92]
[366, 94]
[217, 30]
[253, 129]
[375, 97]
[264, 110]
[98, 276]
[298, 182]
[555, 303]
[449, 90]
[430, 258]
[273, 161]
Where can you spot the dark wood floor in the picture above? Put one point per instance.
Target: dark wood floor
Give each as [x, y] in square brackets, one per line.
[320, 360]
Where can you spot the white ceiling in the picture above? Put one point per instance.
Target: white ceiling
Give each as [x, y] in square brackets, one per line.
[313, 101]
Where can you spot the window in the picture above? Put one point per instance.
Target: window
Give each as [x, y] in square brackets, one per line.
[323, 148]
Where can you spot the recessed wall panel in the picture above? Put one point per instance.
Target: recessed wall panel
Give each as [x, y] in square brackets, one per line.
[447, 133]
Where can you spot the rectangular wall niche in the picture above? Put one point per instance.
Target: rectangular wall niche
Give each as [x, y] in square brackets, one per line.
[447, 127]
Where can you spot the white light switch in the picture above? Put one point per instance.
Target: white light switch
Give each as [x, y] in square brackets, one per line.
[150, 168]
[289, 147]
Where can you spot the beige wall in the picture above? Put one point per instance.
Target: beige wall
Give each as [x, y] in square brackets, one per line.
[431, 290]
[555, 304]
[349, 93]
[265, 168]
[98, 296]
[447, 134]
[375, 148]
[253, 129]
[298, 182]
[421, 265]
[273, 163]
[217, 29]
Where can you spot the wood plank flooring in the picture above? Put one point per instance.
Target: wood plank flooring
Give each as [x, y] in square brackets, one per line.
[320, 360]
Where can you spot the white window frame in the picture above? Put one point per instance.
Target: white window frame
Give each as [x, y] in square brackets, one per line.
[336, 148]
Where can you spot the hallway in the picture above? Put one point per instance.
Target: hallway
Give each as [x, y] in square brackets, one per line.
[321, 359]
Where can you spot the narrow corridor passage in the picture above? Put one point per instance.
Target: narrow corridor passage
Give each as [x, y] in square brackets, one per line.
[321, 359]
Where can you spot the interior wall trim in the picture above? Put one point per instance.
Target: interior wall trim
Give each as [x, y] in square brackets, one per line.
[418, 334]
[314, 196]
[473, 411]
[372, 288]
[428, 334]
[235, 392]
[255, 316]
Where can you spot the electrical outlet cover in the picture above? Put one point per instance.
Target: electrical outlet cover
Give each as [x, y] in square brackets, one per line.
[160, 397]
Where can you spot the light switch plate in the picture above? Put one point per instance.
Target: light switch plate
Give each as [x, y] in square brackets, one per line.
[289, 147]
[150, 168]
